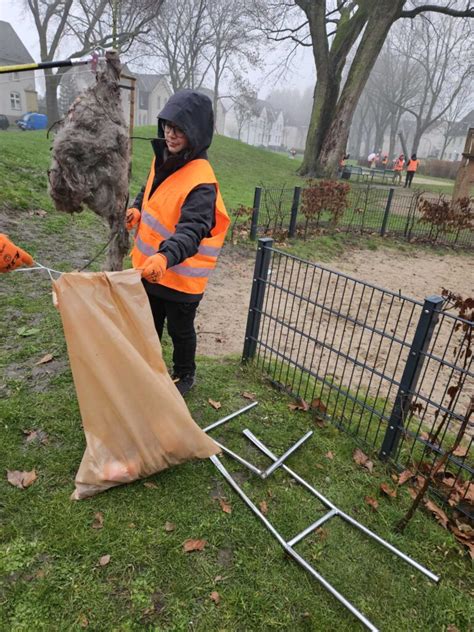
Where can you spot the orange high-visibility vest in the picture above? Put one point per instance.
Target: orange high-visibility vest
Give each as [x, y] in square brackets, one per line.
[398, 166]
[412, 165]
[160, 214]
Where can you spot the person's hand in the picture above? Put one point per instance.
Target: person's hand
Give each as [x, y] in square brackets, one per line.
[154, 268]
[12, 257]
[132, 217]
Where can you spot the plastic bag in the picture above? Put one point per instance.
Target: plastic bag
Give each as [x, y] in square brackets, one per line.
[135, 421]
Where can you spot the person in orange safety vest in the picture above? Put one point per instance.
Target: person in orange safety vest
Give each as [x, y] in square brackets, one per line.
[397, 168]
[181, 223]
[11, 256]
[412, 166]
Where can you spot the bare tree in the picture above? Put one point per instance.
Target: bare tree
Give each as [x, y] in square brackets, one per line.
[440, 52]
[90, 24]
[454, 114]
[245, 104]
[333, 28]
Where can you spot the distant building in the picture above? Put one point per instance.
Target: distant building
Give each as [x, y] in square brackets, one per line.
[263, 126]
[17, 90]
[221, 113]
[152, 92]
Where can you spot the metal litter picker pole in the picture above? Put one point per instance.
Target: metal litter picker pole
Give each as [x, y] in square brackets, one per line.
[340, 513]
[229, 417]
[289, 549]
[283, 457]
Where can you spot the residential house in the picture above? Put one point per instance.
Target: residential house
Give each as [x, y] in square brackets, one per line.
[17, 89]
[152, 92]
[261, 126]
[221, 110]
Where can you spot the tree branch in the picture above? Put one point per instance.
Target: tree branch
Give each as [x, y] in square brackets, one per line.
[412, 13]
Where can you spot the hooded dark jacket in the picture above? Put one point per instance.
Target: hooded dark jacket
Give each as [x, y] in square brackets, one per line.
[192, 113]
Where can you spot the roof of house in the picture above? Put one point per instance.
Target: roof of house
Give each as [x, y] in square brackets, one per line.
[460, 129]
[147, 82]
[272, 112]
[11, 47]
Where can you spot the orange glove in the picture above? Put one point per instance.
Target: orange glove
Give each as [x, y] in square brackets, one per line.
[12, 257]
[132, 218]
[154, 268]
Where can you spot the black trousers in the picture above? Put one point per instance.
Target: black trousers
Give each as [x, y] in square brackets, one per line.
[409, 178]
[180, 324]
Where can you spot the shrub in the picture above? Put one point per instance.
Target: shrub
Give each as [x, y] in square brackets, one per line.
[440, 168]
[325, 195]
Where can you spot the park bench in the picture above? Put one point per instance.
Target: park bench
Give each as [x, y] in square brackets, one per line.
[365, 174]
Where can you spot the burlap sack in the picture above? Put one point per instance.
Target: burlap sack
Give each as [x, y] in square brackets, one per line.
[135, 421]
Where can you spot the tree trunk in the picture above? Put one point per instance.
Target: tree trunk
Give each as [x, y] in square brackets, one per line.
[378, 23]
[416, 139]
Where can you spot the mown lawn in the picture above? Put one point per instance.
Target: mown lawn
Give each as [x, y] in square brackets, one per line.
[50, 576]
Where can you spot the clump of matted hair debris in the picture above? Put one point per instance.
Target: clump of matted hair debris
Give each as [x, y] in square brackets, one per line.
[90, 158]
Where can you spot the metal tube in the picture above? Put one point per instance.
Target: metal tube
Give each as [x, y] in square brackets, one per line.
[231, 416]
[344, 516]
[289, 550]
[312, 527]
[238, 458]
[279, 461]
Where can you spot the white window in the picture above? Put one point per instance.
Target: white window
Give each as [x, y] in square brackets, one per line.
[15, 101]
[15, 76]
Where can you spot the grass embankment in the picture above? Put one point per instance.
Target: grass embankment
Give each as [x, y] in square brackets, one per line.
[50, 576]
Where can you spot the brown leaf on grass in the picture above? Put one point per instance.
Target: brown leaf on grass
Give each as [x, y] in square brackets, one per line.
[22, 480]
[464, 538]
[461, 451]
[318, 405]
[104, 560]
[98, 520]
[226, 508]
[263, 507]
[194, 545]
[452, 628]
[413, 493]
[319, 466]
[36, 436]
[215, 597]
[46, 358]
[387, 490]
[83, 621]
[468, 492]
[320, 423]
[362, 459]
[169, 526]
[404, 477]
[300, 405]
[437, 512]
[150, 485]
[250, 396]
[329, 455]
[214, 404]
[372, 502]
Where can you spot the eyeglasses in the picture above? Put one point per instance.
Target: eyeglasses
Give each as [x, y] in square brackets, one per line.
[169, 127]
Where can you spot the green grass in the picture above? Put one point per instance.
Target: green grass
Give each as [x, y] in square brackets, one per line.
[50, 578]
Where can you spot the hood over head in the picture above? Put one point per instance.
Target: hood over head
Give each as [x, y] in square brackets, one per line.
[192, 112]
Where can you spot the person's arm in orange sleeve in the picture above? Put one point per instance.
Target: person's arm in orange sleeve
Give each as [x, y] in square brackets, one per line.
[11, 256]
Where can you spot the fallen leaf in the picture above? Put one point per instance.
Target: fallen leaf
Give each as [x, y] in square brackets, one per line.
[463, 538]
[194, 545]
[98, 520]
[214, 404]
[362, 459]
[104, 560]
[263, 507]
[404, 477]
[250, 396]
[46, 358]
[83, 621]
[318, 405]
[215, 597]
[218, 578]
[226, 508]
[169, 526]
[22, 480]
[438, 513]
[387, 490]
[452, 628]
[320, 423]
[150, 485]
[219, 340]
[372, 502]
[461, 452]
[329, 455]
[319, 466]
[36, 436]
[413, 493]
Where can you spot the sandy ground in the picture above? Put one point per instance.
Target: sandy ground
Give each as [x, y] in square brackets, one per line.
[223, 311]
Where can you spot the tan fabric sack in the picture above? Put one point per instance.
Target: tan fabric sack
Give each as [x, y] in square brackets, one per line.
[135, 421]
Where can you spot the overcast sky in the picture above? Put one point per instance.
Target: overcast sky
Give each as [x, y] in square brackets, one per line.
[300, 76]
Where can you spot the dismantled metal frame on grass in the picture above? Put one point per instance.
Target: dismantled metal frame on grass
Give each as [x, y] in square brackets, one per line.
[333, 510]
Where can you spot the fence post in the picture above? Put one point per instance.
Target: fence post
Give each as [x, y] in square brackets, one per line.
[411, 373]
[294, 211]
[387, 212]
[256, 208]
[260, 275]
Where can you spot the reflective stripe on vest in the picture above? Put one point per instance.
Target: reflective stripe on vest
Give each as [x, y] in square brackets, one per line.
[160, 214]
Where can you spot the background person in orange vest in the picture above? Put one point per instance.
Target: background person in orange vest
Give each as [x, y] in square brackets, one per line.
[397, 168]
[11, 256]
[181, 224]
[412, 166]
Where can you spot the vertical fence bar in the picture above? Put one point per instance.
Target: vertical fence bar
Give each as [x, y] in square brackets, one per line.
[256, 209]
[411, 373]
[260, 275]
[386, 214]
[294, 211]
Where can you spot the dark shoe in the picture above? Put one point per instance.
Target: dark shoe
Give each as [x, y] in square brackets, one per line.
[184, 383]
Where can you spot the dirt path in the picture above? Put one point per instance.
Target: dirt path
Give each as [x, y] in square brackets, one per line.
[223, 311]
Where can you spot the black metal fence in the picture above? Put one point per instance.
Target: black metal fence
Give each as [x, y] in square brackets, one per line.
[395, 372]
[370, 209]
